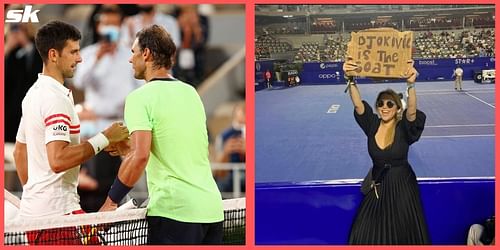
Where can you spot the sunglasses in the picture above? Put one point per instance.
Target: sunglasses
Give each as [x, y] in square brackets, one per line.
[388, 103]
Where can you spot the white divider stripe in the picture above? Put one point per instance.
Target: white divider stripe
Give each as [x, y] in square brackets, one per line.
[460, 125]
[238, 203]
[455, 136]
[22, 225]
[357, 181]
[451, 90]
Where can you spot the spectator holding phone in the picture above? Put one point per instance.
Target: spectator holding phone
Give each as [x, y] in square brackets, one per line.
[22, 63]
[106, 78]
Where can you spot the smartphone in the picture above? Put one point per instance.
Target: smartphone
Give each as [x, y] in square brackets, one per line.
[237, 133]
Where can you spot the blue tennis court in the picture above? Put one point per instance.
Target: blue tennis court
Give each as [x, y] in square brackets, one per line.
[308, 133]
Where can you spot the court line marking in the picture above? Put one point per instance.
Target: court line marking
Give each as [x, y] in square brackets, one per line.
[454, 92]
[456, 178]
[356, 181]
[456, 136]
[451, 90]
[479, 99]
[463, 125]
[481, 92]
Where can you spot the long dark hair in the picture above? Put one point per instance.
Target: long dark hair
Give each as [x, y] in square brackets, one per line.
[391, 94]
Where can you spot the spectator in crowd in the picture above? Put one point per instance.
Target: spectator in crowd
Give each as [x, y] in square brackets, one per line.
[106, 79]
[90, 33]
[149, 15]
[231, 148]
[482, 234]
[194, 34]
[22, 63]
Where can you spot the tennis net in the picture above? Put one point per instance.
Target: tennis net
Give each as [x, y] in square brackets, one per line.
[125, 227]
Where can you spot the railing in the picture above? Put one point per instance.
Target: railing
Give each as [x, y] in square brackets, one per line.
[216, 89]
[237, 169]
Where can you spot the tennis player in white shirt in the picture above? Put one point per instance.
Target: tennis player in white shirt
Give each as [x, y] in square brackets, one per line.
[48, 152]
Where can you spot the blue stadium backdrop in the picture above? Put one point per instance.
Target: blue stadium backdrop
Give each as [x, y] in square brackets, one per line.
[331, 72]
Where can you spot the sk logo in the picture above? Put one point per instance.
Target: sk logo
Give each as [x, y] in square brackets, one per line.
[22, 16]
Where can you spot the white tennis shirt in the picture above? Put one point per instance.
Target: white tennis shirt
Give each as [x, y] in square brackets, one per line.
[48, 115]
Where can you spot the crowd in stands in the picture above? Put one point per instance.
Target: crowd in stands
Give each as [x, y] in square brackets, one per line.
[445, 44]
[265, 45]
[427, 44]
[334, 51]
[308, 52]
[455, 44]
[483, 43]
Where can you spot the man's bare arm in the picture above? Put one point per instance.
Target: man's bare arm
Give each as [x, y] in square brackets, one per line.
[63, 156]
[21, 161]
[132, 166]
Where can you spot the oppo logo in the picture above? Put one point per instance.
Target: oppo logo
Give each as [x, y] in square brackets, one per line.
[327, 76]
[22, 16]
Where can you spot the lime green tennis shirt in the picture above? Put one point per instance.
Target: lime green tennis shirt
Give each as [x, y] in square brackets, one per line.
[179, 177]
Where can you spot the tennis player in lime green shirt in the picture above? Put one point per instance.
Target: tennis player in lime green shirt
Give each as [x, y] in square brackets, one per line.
[167, 123]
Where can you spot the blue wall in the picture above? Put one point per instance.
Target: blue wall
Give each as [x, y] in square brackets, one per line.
[429, 69]
[260, 69]
[322, 213]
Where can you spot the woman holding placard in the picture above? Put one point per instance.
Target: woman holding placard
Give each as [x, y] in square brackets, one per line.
[391, 212]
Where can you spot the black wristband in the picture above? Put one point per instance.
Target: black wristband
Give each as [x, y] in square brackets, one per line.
[349, 81]
[118, 191]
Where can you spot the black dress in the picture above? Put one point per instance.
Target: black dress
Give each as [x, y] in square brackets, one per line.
[391, 212]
